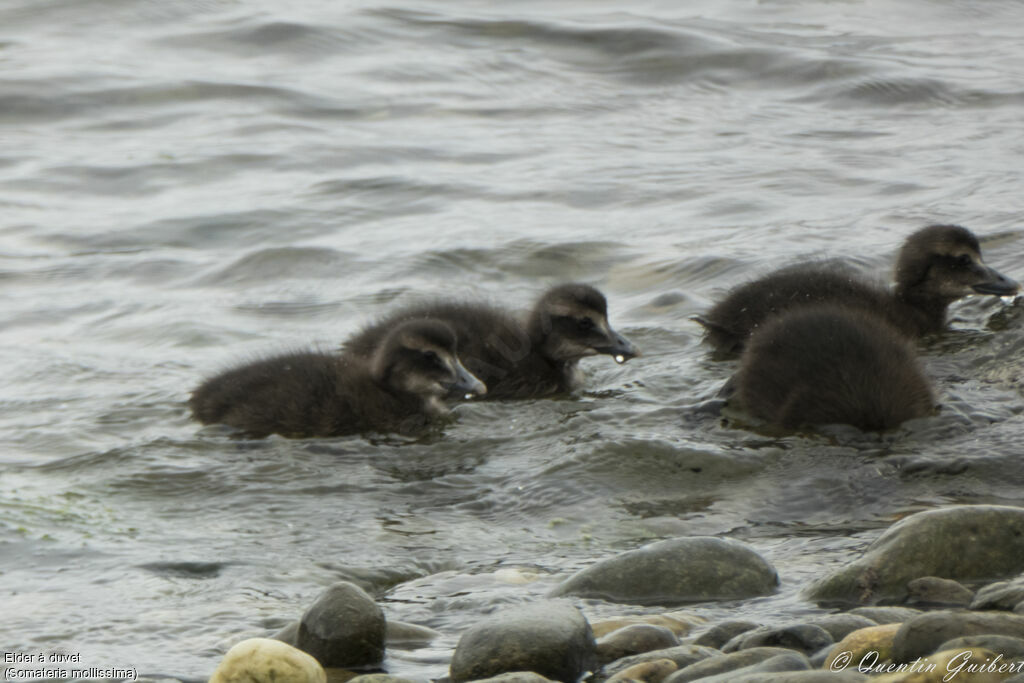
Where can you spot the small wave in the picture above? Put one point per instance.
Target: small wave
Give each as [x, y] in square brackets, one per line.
[282, 263]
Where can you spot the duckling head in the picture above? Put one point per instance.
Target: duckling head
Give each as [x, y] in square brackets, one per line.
[420, 357]
[943, 263]
[571, 321]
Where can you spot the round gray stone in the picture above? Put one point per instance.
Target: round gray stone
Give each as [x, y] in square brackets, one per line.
[682, 655]
[676, 571]
[731, 662]
[841, 625]
[803, 638]
[633, 640]
[552, 639]
[934, 591]
[344, 628]
[1004, 595]
[965, 543]
[923, 634]
[720, 634]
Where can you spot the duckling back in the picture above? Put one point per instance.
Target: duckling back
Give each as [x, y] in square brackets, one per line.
[832, 365]
[729, 323]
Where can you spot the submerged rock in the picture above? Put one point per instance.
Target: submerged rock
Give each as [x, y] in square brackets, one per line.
[966, 543]
[923, 634]
[676, 571]
[344, 628]
[552, 639]
[265, 660]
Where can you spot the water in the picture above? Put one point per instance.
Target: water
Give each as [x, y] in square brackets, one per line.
[184, 185]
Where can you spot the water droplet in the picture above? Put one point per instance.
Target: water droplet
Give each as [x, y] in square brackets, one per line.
[469, 396]
[620, 359]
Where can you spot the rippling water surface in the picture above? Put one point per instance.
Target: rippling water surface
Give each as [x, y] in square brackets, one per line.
[188, 184]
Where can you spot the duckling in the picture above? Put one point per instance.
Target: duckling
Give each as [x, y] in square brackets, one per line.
[936, 266]
[400, 388]
[829, 364]
[514, 358]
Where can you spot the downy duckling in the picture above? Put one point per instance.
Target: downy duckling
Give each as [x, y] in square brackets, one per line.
[936, 266]
[518, 359]
[400, 387]
[831, 364]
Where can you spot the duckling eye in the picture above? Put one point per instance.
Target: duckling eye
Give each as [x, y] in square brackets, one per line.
[964, 260]
[585, 325]
[432, 358]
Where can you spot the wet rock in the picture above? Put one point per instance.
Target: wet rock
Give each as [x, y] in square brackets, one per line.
[289, 634]
[966, 542]
[788, 661]
[679, 624]
[863, 648]
[654, 671]
[1004, 595]
[804, 677]
[633, 640]
[886, 615]
[841, 625]
[933, 591]
[681, 655]
[265, 660]
[800, 637]
[409, 636]
[943, 667]
[514, 677]
[344, 628]
[923, 634]
[675, 571]
[720, 634]
[1009, 647]
[715, 666]
[549, 638]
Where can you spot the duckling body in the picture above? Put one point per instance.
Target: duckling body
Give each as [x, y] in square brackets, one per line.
[518, 358]
[399, 388]
[828, 364]
[936, 266]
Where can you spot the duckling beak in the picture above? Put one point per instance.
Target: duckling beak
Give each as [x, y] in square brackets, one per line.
[994, 282]
[618, 347]
[466, 384]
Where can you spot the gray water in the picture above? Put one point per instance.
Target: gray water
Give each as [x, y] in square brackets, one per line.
[188, 184]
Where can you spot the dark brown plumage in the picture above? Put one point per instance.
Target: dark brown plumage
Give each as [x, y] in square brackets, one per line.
[936, 266]
[831, 365]
[516, 358]
[399, 388]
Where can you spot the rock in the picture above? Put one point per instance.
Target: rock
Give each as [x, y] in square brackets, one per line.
[841, 625]
[1004, 595]
[289, 634]
[676, 571]
[679, 624]
[653, 671]
[965, 542]
[379, 678]
[1009, 647]
[725, 663]
[264, 660]
[800, 637]
[951, 665]
[933, 591]
[409, 636]
[720, 634]
[633, 640]
[787, 661]
[922, 634]
[681, 655]
[804, 677]
[886, 615]
[863, 648]
[514, 677]
[344, 628]
[548, 638]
